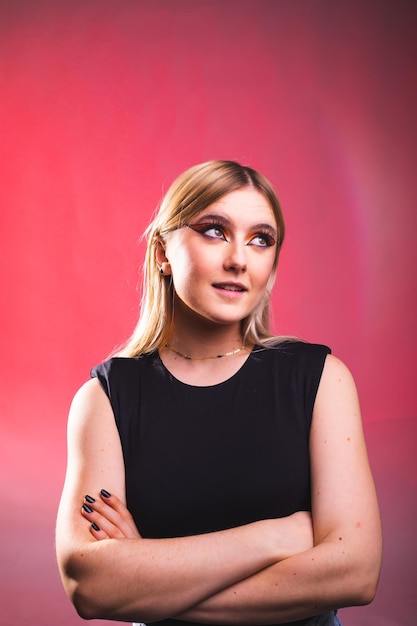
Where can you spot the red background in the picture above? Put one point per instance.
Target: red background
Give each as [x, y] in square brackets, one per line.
[102, 104]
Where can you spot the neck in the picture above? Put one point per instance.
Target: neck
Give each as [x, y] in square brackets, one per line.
[189, 357]
[203, 347]
[199, 338]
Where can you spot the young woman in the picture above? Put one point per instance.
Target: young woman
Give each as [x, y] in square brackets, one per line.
[217, 474]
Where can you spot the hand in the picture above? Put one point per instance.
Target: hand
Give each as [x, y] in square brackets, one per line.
[109, 518]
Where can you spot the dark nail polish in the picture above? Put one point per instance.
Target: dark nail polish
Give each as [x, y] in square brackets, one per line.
[105, 493]
[94, 526]
[87, 508]
[89, 499]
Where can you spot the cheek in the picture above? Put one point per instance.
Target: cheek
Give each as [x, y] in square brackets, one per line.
[189, 262]
[185, 268]
[264, 270]
[177, 254]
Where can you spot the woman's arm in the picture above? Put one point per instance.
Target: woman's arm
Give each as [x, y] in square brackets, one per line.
[126, 577]
[342, 568]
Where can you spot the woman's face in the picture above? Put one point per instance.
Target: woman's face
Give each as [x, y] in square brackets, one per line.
[222, 260]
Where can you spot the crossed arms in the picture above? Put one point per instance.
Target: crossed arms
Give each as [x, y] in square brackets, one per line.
[271, 571]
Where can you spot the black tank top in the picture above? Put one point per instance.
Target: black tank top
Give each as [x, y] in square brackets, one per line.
[201, 459]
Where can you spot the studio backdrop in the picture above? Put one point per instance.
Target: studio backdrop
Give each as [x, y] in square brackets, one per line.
[103, 103]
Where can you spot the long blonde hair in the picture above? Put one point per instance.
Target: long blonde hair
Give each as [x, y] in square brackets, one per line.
[192, 192]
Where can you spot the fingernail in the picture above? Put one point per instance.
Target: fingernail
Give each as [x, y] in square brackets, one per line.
[105, 493]
[89, 499]
[94, 526]
[87, 508]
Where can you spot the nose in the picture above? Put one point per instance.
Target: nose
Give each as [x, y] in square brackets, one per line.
[235, 260]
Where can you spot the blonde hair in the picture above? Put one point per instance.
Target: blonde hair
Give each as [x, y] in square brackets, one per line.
[192, 192]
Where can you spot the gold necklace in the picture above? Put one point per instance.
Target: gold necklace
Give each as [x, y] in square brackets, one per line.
[203, 358]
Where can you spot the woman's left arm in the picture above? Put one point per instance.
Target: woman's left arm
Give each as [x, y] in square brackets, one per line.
[342, 569]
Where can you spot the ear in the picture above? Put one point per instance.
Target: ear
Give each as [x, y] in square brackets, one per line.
[161, 257]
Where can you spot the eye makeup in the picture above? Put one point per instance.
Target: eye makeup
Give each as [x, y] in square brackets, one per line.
[265, 234]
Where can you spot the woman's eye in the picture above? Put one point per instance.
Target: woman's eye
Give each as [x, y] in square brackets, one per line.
[262, 240]
[213, 231]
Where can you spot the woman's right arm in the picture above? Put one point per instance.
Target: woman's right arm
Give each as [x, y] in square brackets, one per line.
[136, 579]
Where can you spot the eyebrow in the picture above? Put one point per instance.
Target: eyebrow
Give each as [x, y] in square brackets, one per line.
[221, 219]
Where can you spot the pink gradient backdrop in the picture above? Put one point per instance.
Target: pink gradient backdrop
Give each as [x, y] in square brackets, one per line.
[102, 104]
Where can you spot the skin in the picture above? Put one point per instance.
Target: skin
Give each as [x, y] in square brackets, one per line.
[272, 571]
[223, 249]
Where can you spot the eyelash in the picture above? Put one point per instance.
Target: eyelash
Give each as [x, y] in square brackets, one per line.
[204, 227]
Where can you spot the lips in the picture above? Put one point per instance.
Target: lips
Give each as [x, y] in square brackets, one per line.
[230, 286]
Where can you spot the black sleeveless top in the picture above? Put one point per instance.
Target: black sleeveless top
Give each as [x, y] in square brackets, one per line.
[202, 459]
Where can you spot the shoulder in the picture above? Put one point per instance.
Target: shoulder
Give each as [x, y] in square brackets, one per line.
[294, 367]
[90, 409]
[294, 352]
[123, 380]
[337, 383]
[118, 364]
[335, 367]
[120, 370]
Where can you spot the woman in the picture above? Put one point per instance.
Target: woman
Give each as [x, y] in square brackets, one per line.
[223, 470]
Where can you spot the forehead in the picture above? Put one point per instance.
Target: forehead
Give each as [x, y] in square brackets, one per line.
[243, 205]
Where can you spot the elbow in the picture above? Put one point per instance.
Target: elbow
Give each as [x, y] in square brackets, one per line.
[87, 602]
[84, 604]
[82, 599]
[90, 601]
[365, 585]
[371, 570]
[366, 593]
[89, 606]
[354, 589]
[79, 590]
[362, 573]
[370, 585]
